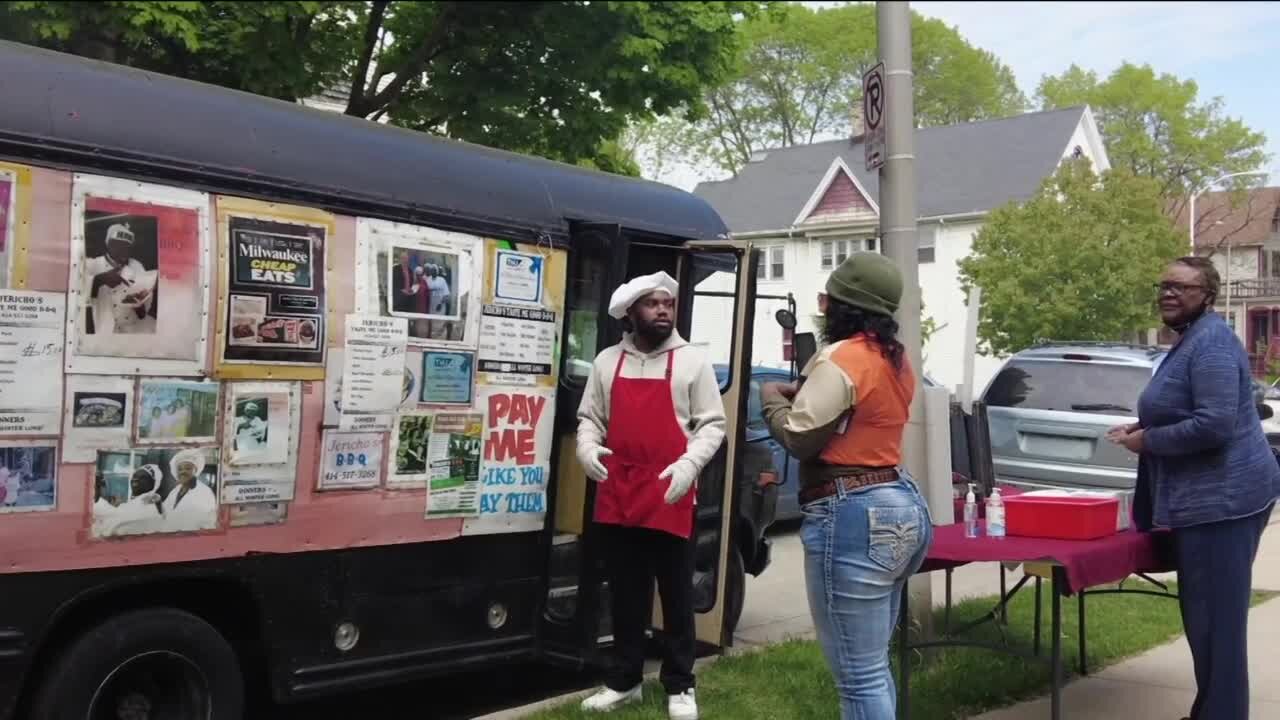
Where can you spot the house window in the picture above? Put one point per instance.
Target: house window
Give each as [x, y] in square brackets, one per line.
[834, 252]
[926, 239]
[1275, 263]
[1275, 221]
[873, 244]
[772, 263]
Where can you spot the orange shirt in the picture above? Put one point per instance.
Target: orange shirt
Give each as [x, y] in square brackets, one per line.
[872, 435]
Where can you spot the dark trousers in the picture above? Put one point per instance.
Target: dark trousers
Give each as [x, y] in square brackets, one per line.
[1215, 578]
[634, 559]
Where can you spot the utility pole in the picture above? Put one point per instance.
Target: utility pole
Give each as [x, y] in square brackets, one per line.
[898, 235]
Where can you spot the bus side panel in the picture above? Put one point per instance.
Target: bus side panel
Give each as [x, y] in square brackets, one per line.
[420, 608]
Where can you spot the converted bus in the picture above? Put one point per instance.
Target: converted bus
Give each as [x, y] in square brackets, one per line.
[287, 399]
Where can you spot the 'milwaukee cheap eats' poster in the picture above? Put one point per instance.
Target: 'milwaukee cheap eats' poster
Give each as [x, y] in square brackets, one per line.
[275, 298]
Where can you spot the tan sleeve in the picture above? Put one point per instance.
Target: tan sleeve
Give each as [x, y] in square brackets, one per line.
[593, 411]
[805, 426]
[706, 418]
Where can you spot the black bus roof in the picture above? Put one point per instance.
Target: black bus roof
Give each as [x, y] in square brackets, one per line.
[80, 114]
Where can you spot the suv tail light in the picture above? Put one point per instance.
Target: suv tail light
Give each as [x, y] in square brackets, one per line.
[767, 478]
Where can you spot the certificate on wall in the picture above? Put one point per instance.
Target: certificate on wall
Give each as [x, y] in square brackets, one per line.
[447, 378]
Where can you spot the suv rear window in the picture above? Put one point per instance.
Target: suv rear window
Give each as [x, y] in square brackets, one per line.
[1087, 387]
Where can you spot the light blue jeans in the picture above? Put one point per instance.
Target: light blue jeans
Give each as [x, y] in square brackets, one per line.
[860, 547]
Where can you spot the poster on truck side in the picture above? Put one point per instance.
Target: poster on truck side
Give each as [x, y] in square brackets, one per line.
[272, 316]
[31, 327]
[431, 278]
[138, 279]
[453, 453]
[516, 461]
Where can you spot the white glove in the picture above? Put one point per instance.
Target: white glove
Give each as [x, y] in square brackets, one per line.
[592, 459]
[681, 473]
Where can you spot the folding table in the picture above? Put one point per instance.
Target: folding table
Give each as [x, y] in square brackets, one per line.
[1073, 565]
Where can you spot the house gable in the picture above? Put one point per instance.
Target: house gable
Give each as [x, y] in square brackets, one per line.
[840, 197]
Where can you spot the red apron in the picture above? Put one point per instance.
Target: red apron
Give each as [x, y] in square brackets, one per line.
[645, 437]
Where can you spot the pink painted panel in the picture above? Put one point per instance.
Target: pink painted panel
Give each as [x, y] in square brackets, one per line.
[60, 539]
[50, 256]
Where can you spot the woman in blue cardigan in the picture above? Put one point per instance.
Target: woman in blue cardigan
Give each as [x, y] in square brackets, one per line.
[1207, 473]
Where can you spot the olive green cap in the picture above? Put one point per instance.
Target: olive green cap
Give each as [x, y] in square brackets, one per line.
[869, 281]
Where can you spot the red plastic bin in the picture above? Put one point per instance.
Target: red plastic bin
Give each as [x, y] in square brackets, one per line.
[1061, 518]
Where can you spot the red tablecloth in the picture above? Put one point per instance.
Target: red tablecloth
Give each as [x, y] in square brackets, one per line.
[1086, 563]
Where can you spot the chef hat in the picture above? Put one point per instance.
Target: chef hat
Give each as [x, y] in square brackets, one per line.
[120, 232]
[632, 290]
[156, 474]
[190, 455]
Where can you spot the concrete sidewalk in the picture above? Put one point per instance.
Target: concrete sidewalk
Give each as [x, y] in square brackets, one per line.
[1159, 684]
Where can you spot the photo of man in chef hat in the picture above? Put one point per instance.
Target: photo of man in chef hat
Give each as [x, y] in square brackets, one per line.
[120, 274]
[191, 504]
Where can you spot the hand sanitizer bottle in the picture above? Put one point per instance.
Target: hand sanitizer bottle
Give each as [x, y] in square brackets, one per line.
[995, 515]
[970, 514]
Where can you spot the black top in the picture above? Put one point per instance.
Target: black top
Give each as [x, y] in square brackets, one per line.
[66, 111]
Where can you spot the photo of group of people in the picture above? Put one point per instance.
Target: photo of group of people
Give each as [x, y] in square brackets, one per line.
[28, 478]
[177, 410]
[428, 287]
[161, 490]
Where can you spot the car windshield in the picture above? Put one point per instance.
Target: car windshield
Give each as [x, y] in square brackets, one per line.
[1086, 387]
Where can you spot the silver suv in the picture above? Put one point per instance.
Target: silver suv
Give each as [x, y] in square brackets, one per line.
[1049, 409]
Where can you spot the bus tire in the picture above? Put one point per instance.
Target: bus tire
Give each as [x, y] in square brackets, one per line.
[735, 590]
[159, 663]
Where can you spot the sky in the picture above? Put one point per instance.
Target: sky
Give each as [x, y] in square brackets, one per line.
[1228, 48]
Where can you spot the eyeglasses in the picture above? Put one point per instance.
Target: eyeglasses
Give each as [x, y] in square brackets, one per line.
[1175, 288]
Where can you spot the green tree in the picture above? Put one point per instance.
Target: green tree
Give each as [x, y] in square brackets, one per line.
[1155, 126]
[557, 79]
[1077, 261]
[798, 78]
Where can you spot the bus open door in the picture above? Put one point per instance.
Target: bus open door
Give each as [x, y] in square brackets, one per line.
[715, 313]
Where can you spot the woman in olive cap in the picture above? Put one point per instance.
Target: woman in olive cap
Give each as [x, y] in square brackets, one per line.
[866, 527]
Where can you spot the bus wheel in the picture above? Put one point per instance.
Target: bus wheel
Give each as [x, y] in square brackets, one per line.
[735, 590]
[159, 664]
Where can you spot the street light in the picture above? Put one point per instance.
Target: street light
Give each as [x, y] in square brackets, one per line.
[1192, 224]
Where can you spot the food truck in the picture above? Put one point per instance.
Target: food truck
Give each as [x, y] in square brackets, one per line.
[287, 399]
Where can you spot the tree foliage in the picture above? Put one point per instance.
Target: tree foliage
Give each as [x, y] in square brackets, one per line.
[798, 79]
[1155, 126]
[1077, 261]
[557, 79]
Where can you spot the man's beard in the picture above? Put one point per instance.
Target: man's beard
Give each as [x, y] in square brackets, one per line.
[654, 334]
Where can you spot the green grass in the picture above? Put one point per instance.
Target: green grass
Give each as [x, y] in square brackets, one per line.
[790, 681]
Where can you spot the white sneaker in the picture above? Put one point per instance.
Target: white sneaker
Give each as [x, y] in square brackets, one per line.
[606, 700]
[682, 706]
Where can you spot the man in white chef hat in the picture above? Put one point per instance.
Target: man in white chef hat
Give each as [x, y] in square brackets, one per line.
[119, 289]
[190, 505]
[651, 419]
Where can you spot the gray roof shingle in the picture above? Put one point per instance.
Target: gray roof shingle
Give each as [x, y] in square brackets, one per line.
[972, 167]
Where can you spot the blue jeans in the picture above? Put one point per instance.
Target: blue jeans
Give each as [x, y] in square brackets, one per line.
[860, 547]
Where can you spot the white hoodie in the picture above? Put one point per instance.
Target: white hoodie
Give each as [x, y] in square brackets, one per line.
[694, 389]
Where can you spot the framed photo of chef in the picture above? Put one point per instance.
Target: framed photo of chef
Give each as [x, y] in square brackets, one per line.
[260, 441]
[139, 277]
[272, 320]
[429, 277]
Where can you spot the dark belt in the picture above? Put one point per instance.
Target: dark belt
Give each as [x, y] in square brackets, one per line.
[849, 482]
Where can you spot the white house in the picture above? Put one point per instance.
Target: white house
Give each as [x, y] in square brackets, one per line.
[809, 206]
